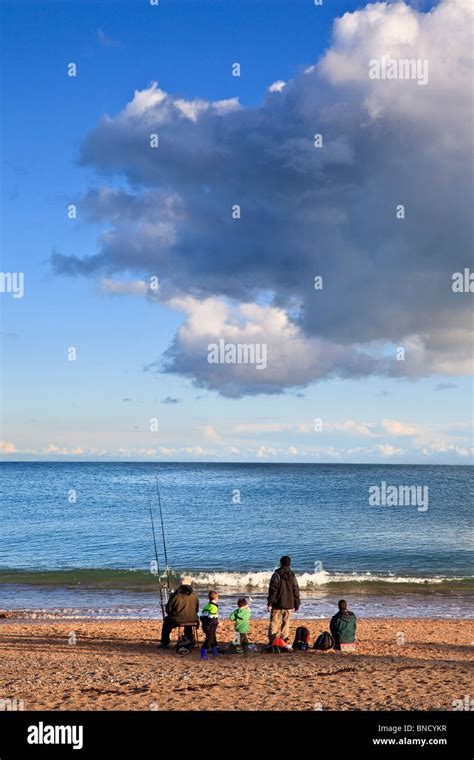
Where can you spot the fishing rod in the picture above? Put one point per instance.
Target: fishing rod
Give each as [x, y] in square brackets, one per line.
[167, 569]
[162, 605]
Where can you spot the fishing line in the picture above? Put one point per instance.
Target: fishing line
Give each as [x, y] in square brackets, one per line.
[167, 570]
[156, 555]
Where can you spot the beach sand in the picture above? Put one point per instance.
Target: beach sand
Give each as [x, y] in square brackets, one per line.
[116, 665]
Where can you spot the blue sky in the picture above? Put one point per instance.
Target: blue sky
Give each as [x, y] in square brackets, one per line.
[100, 405]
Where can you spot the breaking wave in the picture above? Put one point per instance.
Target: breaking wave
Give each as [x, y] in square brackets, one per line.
[253, 579]
[259, 580]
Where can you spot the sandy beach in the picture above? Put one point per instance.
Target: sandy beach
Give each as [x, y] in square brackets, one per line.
[117, 666]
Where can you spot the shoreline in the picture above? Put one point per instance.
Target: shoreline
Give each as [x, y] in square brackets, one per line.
[440, 599]
[24, 617]
[399, 664]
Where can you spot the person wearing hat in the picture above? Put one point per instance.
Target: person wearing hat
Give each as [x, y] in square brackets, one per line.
[283, 598]
[181, 607]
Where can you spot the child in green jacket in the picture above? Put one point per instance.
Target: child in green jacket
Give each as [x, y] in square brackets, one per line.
[241, 620]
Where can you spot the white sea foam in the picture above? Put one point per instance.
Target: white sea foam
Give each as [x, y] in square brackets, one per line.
[306, 581]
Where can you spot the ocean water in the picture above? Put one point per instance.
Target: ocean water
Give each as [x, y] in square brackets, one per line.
[76, 538]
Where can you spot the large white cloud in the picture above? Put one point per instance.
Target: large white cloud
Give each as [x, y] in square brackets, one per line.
[307, 211]
[291, 358]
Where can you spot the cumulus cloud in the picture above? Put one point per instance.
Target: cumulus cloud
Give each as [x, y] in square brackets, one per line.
[264, 452]
[277, 86]
[351, 426]
[387, 450]
[443, 451]
[51, 448]
[7, 447]
[397, 428]
[447, 448]
[292, 358]
[347, 426]
[305, 211]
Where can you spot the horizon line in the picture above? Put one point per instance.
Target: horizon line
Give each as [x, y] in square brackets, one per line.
[141, 461]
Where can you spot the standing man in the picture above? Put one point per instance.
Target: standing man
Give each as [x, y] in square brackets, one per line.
[283, 597]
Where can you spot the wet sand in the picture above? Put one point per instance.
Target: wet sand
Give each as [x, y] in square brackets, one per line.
[116, 665]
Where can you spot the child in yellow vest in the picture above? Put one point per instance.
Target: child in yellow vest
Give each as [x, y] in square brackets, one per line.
[210, 621]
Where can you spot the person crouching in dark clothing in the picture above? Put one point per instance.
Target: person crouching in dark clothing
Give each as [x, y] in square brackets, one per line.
[181, 607]
[343, 627]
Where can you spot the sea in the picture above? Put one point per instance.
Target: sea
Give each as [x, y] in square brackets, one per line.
[77, 539]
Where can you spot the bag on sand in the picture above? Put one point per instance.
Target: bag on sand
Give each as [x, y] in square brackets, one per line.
[278, 646]
[301, 641]
[324, 642]
[348, 647]
[184, 646]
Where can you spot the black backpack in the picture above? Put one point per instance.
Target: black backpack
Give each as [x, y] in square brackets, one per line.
[301, 641]
[324, 642]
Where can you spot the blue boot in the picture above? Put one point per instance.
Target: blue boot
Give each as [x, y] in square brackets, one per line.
[215, 651]
[204, 653]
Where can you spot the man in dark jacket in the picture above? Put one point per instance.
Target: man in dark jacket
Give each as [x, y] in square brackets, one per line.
[283, 597]
[181, 607]
[343, 626]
